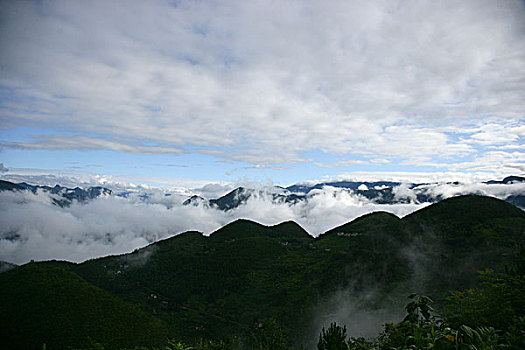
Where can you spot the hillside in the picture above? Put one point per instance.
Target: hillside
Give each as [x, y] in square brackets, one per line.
[42, 304]
[246, 274]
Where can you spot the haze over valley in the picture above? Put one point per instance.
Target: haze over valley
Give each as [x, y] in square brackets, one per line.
[74, 224]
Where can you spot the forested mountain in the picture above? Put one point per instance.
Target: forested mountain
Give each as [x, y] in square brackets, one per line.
[42, 304]
[246, 275]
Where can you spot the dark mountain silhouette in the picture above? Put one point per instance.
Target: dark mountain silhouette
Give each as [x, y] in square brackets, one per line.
[246, 273]
[66, 195]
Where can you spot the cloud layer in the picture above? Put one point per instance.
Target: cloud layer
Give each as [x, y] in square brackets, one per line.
[439, 84]
[31, 227]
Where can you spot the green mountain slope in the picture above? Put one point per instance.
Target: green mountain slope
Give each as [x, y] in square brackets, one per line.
[459, 236]
[211, 286]
[246, 274]
[42, 304]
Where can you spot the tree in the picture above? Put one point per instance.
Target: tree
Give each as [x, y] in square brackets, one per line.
[332, 339]
[270, 337]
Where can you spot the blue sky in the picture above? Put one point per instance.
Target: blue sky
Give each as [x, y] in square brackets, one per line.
[164, 92]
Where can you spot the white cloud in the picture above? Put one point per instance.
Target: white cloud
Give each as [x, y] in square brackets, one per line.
[263, 82]
[73, 178]
[448, 190]
[416, 177]
[498, 134]
[490, 162]
[31, 227]
[80, 142]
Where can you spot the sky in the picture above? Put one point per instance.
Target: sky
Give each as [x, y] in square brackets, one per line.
[193, 92]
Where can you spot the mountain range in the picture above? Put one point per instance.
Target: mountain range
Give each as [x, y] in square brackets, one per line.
[63, 195]
[378, 192]
[245, 275]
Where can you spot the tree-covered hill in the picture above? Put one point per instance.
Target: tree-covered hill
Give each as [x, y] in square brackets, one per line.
[246, 275]
[42, 304]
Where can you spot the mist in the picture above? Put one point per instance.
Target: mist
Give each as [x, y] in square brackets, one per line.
[365, 309]
[33, 228]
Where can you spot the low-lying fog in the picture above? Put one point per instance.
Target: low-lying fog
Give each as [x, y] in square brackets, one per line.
[32, 227]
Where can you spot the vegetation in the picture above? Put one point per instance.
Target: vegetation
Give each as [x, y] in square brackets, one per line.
[490, 317]
[48, 305]
[259, 285]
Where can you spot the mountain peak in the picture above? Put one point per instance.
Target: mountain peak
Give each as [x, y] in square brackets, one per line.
[468, 208]
[369, 222]
[237, 229]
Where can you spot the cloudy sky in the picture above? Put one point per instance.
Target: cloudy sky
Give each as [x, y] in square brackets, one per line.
[269, 91]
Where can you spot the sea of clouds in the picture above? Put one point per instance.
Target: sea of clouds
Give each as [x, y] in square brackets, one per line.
[32, 227]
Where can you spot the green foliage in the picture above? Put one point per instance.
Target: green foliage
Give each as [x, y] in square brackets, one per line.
[203, 288]
[361, 344]
[223, 344]
[334, 338]
[499, 303]
[433, 333]
[490, 317]
[49, 307]
[418, 310]
[270, 336]
[205, 344]
[173, 345]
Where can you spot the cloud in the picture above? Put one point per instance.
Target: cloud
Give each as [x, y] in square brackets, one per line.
[213, 190]
[256, 166]
[489, 162]
[341, 163]
[31, 227]
[265, 82]
[3, 169]
[451, 190]
[72, 178]
[496, 134]
[80, 142]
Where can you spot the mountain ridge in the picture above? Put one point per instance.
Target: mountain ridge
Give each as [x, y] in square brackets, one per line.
[377, 192]
[211, 286]
[67, 195]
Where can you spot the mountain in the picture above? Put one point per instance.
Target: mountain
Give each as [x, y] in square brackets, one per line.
[43, 304]
[376, 192]
[241, 195]
[351, 185]
[379, 192]
[65, 196]
[245, 274]
[507, 180]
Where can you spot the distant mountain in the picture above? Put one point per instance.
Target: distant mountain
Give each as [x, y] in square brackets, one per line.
[351, 185]
[380, 192]
[67, 195]
[245, 273]
[507, 180]
[241, 195]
